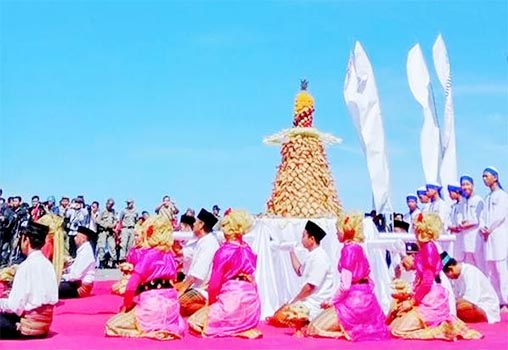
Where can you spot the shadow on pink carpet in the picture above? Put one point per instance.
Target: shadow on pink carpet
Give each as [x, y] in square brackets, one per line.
[79, 324]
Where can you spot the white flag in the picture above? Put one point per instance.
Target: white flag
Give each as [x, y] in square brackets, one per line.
[419, 83]
[448, 168]
[360, 94]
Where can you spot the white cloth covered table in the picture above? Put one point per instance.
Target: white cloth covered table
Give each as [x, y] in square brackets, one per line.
[272, 238]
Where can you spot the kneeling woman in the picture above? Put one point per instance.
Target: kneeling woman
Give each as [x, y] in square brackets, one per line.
[426, 315]
[234, 305]
[157, 311]
[354, 313]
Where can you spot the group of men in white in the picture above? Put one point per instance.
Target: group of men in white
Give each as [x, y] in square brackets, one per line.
[477, 261]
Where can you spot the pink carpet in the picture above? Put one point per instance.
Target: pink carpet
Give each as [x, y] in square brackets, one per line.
[79, 324]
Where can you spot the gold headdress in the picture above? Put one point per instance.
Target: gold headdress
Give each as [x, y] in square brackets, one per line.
[158, 232]
[351, 226]
[236, 222]
[428, 227]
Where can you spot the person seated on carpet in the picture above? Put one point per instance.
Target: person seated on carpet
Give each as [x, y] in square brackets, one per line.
[150, 303]
[406, 272]
[477, 299]
[79, 277]
[131, 259]
[192, 291]
[184, 249]
[28, 310]
[318, 283]
[426, 314]
[234, 304]
[354, 312]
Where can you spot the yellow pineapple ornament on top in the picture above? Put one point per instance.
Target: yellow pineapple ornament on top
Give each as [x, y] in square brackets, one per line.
[304, 107]
[304, 186]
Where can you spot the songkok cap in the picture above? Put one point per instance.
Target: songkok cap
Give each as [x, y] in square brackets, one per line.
[87, 232]
[187, 219]
[446, 259]
[401, 224]
[36, 230]
[315, 231]
[208, 218]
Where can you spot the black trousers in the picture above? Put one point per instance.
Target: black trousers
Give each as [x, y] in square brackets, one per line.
[68, 290]
[8, 329]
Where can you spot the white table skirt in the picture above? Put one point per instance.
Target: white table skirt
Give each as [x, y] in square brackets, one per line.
[272, 238]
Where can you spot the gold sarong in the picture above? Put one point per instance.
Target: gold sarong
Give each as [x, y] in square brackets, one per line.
[36, 323]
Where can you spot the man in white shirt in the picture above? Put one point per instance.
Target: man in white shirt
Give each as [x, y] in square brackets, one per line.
[192, 291]
[468, 230]
[317, 279]
[78, 278]
[494, 230]
[455, 218]
[28, 311]
[477, 300]
[414, 211]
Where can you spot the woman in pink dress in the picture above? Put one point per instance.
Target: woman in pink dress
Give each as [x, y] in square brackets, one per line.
[151, 308]
[354, 313]
[131, 259]
[426, 314]
[234, 304]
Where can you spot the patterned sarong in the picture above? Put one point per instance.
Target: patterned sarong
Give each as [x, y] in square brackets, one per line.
[190, 302]
[36, 323]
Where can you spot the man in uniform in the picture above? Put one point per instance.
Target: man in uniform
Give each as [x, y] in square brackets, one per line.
[128, 218]
[106, 243]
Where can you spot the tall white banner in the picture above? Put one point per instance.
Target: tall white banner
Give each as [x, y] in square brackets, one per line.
[448, 168]
[419, 83]
[360, 94]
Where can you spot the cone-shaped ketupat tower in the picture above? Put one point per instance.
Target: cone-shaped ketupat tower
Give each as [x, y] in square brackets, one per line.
[304, 186]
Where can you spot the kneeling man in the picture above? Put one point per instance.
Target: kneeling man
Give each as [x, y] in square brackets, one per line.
[28, 311]
[78, 279]
[318, 284]
[477, 300]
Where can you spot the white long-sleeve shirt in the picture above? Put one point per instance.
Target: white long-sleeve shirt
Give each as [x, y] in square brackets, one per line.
[473, 286]
[202, 258]
[34, 285]
[83, 267]
[495, 219]
[441, 208]
[472, 210]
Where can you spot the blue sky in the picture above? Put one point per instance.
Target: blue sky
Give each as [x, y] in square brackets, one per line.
[141, 99]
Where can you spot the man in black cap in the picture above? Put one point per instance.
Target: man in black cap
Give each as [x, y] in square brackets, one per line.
[316, 272]
[28, 311]
[193, 295]
[78, 279]
[400, 226]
